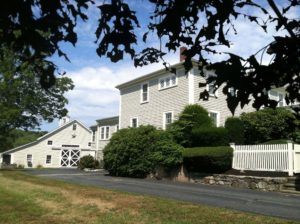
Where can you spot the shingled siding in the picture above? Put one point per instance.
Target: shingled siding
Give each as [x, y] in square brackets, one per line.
[171, 99]
[218, 103]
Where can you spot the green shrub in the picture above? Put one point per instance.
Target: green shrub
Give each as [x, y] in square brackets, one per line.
[167, 154]
[39, 166]
[268, 124]
[20, 166]
[89, 162]
[192, 117]
[278, 141]
[209, 137]
[208, 159]
[235, 128]
[136, 152]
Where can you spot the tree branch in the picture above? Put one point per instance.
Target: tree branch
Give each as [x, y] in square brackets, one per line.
[281, 18]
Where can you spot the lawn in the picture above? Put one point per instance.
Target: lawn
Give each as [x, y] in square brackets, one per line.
[28, 199]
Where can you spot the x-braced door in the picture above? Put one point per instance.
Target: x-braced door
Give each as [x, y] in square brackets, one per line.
[70, 157]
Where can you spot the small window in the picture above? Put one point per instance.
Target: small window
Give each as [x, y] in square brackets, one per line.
[102, 133]
[134, 122]
[48, 159]
[107, 133]
[215, 117]
[74, 127]
[94, 136]
[168, 119]
[211, 89]
[89, 144]
[145, 93]
[49, 142]
[167, 81]
[29, 158]
[232, 91]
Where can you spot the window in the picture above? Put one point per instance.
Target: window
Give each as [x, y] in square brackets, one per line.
[280, 100]
[48, 159]
[104, 133]
[29, 160]
[232, 91]
[215, 117]
[167, 82]
[49, 142]
[168, 119]
[74, 127]
[211, 89]
[144, 92]
[94, 136]
[134, 122]
[89, 144]
[107, 133]
[279, 97]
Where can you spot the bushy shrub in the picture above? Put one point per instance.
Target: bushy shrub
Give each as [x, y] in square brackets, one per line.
[268, 124]
[235, 128]
[209, 136]
[278, 141]
[167, 154]
[208, 159]
[136, 152]
[89, 162]
[192, 117]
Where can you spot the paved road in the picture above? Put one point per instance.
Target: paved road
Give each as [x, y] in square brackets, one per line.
[266, 203]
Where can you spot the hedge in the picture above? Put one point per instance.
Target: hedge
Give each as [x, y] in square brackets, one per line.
[278, 141]
[212, 136]
[208, 159]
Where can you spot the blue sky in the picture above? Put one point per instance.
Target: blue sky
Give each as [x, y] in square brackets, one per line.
[95, 96]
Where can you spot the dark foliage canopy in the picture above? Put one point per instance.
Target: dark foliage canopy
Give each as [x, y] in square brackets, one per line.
[37, 27]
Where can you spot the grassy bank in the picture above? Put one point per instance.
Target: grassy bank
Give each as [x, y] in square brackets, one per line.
[28, 199]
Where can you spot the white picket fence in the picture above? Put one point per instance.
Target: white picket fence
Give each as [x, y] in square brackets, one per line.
[275, 157]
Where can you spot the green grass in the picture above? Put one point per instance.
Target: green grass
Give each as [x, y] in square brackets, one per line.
[33, 200]
[218, 151]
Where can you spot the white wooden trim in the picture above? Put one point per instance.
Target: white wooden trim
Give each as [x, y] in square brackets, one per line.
[164, 118]
[120, 110]
[141, 93]
[164, 78]
[218, 116]
[191, 80]
[105, 132]
[137, 121]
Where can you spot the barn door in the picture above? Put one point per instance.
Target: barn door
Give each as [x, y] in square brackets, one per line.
[70, 157]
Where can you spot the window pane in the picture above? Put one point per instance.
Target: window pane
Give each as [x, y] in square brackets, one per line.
[134, 122]
[162, 83]
[145, 96]
[214, 117]
[211, 88]
[107, 133]
[49, 143]
[174, 80]
[102, 133]
[48, 159]
[29, 158]
[168, 118]
[94, 136]
[74, 127]
[167, 82]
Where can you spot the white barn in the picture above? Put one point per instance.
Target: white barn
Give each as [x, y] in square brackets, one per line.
[62, 147]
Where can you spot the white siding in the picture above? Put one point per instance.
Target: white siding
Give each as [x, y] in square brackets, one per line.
[40, 150]
[170, 99]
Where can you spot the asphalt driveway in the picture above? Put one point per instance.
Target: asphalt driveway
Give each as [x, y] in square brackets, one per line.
[266, 203]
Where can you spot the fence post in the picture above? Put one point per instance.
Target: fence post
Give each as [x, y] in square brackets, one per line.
[232, 145]
[290, 157]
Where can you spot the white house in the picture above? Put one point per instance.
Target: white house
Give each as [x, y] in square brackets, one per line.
[102, 132]
[62, 147]
[158, 97]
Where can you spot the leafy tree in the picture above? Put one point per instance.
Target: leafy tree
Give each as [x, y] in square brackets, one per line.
[192, 117]
[268, 124]
[36, 28]
[24, 104]
[136, 152]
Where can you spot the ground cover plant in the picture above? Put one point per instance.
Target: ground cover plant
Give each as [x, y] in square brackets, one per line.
[33, 200]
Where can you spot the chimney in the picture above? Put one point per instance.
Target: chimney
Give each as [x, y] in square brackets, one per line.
[182, 57]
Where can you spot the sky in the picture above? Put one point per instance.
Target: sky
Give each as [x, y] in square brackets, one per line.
[95, 96]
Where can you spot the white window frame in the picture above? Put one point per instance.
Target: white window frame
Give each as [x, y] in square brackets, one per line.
[93, 136]
[106, 135]
[142, 99]
[218, 116]
[47, 160]
[215, 94]
[164, 118]
[276, 97]
[131, 122]
[164, 78]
